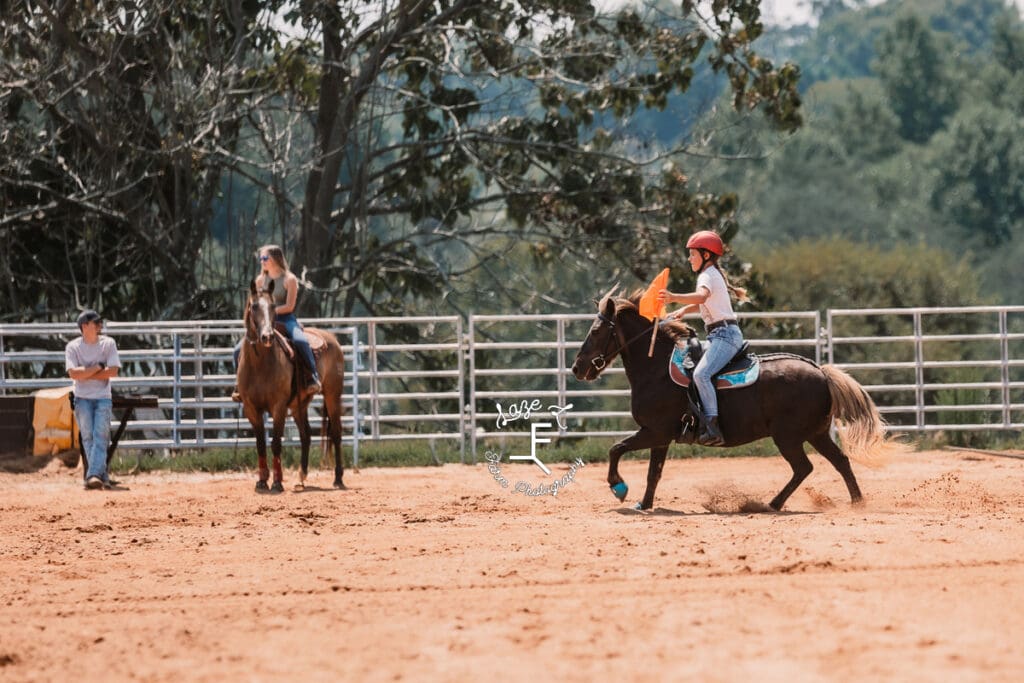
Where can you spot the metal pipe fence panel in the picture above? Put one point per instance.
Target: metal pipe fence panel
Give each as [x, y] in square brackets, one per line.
[935, 369]
[442, 378]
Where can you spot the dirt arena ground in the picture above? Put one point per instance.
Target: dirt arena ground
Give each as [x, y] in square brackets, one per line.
[441, 574]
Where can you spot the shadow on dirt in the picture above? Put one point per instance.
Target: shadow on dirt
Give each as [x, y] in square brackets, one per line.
[666, 512]
[19, 463]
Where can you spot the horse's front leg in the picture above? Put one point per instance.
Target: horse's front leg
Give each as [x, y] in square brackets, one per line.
[654, 468]
[275, 448]
[644, 438]
[260, 432]
[264, 471]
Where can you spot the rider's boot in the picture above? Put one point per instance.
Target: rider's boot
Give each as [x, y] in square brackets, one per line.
[712, 433]
[314, 387]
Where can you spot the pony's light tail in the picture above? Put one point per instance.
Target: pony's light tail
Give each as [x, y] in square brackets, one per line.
[858, 421]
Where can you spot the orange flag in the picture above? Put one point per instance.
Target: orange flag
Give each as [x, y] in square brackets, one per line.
[649, 307]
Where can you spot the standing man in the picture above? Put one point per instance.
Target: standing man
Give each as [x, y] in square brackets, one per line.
[91, 361]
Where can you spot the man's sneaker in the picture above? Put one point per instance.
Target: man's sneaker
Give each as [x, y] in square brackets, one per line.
[93, 483]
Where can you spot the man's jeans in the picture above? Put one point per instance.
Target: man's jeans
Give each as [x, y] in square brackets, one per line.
[724, 342]
[93, 415]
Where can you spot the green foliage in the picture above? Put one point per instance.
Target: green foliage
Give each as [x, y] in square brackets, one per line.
[844, 44]
[399, 454]
[981, 177]
[835, 272]
[917, 77]
[921, 147]
[118, 124]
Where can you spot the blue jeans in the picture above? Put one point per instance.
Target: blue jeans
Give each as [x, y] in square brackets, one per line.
[94, 415]
[299, 341]
[724, 342]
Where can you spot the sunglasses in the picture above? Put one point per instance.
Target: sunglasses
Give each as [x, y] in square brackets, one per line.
[264, 257]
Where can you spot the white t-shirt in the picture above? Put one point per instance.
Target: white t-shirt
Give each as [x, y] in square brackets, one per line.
[78, 354]
[717, 306]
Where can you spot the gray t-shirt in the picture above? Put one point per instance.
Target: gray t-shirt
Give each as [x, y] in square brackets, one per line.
[78, 354]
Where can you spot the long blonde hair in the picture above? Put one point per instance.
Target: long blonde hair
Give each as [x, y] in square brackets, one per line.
[276, 254]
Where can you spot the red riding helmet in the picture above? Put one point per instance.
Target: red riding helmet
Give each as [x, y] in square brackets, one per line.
[706, 239]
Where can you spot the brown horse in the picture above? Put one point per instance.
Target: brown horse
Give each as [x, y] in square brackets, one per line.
[793, 401]
[267, 383]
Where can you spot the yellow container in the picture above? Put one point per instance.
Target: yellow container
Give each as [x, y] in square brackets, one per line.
[53, 422]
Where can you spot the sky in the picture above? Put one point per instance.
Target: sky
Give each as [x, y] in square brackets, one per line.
[787, 12]
[784, 12]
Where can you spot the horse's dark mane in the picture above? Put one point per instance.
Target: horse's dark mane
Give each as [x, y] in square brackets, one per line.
[674, 329]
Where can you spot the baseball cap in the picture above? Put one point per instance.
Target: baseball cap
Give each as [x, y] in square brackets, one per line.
[88, 316]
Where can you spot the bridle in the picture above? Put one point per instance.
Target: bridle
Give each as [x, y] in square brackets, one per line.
[250, 325]
[599, 361]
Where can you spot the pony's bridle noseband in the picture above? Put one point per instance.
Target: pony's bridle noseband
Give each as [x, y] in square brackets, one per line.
[599, 361]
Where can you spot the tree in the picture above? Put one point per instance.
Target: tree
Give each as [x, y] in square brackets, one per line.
[981, 181]
[437, 130]
[917, 75]
[119, 123]
[457, 122]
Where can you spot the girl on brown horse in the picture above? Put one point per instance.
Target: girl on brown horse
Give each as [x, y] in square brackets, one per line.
[266, 376]
[286, 294]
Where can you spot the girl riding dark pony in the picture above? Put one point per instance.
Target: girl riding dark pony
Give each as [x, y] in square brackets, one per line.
[793, 401]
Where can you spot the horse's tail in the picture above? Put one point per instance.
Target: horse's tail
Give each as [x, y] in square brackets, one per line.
[860, 425]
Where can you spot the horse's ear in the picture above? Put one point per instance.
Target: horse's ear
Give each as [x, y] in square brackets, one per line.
[270, 286]
[252, 287]
[611, 293]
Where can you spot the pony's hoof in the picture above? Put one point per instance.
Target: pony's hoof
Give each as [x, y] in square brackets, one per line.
[620, 490]
[261, 485]
[277, 487]
[299, 487]
[339, 484]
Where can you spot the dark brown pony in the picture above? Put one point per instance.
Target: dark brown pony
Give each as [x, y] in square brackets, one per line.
[267, 383]
[793, 401]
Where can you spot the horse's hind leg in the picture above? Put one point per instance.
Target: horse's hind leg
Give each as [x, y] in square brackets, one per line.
[831, 452]
[793, 452]
[333, 418]
[654, 468]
